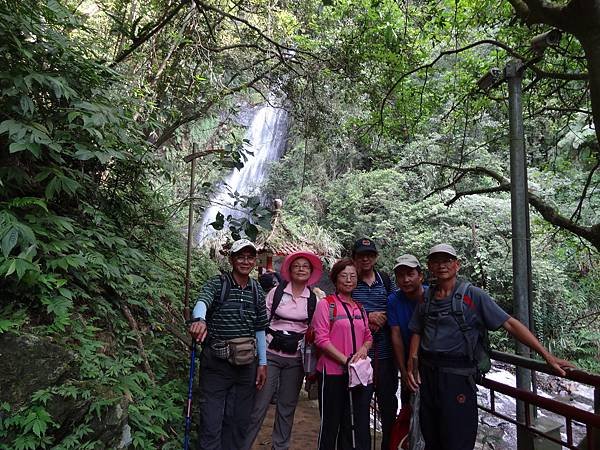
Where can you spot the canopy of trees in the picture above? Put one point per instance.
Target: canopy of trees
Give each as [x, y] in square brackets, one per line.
[103, 100]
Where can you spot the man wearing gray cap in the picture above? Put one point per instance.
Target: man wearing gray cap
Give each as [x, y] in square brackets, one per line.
[400, 308]
[230, 318]
[447, 346]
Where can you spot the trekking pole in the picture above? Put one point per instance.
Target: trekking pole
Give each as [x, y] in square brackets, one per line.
[375, 422]
[375, 384]
[352, 419]
[188, 415]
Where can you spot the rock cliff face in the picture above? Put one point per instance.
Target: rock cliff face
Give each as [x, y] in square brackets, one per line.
[30, 363]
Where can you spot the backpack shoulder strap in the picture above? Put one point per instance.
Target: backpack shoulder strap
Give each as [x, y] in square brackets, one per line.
[311, 305]
[386, 280]
[428, 299]
[219, 299]
[254, 286]
[458, 310]
[225, 288]
[277, 298]
[332, 311]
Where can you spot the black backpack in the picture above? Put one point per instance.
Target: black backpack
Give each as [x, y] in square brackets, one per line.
[480, 355]
[223, 294]
[311, 305]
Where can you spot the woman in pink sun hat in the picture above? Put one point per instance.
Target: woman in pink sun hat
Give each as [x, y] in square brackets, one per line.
[290, 308]
[311, 258]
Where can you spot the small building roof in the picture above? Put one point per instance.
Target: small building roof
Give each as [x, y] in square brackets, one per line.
[282, 240]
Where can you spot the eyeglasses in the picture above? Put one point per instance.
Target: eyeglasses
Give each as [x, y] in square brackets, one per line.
[441, 261]
[300, 267]
[350, 276]
[242, 258]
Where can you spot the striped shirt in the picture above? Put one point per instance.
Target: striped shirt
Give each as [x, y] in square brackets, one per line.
[374, 298]
[237, 316]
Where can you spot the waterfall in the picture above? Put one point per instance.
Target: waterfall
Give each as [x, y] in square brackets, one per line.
[265, 140]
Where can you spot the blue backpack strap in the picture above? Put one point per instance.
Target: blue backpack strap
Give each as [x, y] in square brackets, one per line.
[429, 300]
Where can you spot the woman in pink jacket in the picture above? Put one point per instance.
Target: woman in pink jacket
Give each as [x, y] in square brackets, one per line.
[342, 334]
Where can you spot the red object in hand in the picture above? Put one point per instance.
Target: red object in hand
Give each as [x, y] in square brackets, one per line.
[400, 428]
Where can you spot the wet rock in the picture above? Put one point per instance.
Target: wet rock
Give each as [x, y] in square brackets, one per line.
[31, 363]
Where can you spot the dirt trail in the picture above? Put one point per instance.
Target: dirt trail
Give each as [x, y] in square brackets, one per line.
[306, 426]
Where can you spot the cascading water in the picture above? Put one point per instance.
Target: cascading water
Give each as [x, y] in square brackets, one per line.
[267, 136]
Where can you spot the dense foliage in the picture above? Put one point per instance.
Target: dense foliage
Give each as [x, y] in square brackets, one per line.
[390, 137]
[88, 256]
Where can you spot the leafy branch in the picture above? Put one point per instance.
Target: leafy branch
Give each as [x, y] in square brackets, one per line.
[547, 211]
[169, 131]
[541, 73]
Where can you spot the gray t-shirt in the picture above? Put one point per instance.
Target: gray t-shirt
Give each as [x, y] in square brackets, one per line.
[441, 332]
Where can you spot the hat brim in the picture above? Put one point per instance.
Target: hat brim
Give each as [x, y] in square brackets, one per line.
[442, 253]
[365, 250]
[247, 246]
[315, 262]
[405, 264]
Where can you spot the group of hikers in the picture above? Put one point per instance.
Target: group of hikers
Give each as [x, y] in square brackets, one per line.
[365, 336]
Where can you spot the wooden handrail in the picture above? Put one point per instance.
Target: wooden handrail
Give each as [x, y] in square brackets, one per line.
[539, 366]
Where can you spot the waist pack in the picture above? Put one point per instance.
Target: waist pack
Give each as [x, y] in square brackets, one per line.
[239, 351]
[285, 342]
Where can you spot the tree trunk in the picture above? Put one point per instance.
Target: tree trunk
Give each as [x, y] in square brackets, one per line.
[591, 45]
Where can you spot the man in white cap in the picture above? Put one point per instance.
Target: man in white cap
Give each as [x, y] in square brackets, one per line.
[400, 308]
[230, 318]
[448, 330]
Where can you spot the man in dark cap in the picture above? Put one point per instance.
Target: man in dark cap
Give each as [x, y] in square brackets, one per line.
[372, 291]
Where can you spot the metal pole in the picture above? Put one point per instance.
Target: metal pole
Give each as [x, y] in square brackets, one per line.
[595, 437]
[520, 232]
[188, 262]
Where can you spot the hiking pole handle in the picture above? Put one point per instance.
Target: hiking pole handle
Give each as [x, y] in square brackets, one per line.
[188, 415]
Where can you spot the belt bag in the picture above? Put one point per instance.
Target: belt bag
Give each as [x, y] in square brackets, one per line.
[285, 342]
[242, 351]
[238, 351]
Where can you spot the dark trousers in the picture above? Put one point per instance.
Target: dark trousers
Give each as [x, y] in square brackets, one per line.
[226, 400]
[334, 406]
[448, 411]
[385, 373]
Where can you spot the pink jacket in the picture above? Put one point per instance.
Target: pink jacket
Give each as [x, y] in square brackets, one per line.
[340, 333]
